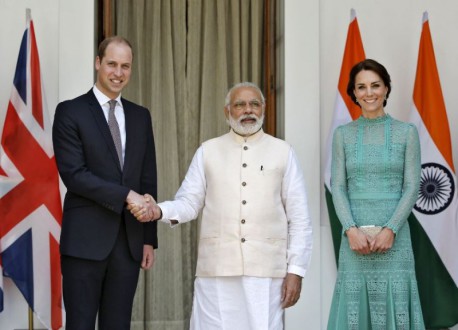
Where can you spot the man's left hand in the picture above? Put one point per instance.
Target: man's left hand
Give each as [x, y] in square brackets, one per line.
[291, 290]
[148, 257]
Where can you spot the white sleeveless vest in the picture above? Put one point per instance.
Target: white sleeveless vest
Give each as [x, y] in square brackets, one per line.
[244, 226]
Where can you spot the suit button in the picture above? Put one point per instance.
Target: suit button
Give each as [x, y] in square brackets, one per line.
[243, 221]
[244, 183]
[243, 202]
[244, 165]
[243, 240]
[245, 148]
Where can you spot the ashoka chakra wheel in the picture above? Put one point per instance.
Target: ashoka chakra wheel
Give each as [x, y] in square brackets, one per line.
[436, 189]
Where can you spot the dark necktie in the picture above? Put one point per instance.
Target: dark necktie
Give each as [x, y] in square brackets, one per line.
[114, 129]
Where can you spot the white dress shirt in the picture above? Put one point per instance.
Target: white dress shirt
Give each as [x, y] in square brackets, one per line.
[119, 114]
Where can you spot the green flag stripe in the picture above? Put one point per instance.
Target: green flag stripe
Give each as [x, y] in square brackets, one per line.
[336, 226]
[438, 292]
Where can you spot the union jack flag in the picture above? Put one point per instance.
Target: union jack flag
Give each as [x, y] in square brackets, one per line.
[30, 204]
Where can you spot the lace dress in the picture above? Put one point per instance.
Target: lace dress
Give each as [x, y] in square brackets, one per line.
[375, 180]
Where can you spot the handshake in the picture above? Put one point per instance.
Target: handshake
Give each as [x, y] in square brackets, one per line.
[144, 208]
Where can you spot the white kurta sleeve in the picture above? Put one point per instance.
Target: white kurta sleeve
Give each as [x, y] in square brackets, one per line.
[294, 199]
[190, 198]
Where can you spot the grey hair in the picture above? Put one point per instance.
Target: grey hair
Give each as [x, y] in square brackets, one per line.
[243, 84]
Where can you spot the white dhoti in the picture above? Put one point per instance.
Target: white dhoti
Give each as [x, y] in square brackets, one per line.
[237, 302]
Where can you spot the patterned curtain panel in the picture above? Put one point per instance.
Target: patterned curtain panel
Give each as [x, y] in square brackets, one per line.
[187, 53]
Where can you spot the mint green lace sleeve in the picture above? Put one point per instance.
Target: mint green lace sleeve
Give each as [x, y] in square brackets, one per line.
[411, 184]
[339, 181]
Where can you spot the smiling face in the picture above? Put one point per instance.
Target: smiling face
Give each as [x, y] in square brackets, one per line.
[245, 112]
[114, 69]
[370, 92]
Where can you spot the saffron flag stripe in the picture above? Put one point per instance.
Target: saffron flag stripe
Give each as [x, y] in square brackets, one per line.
[354, 53]
[427, 95]
[344, 112]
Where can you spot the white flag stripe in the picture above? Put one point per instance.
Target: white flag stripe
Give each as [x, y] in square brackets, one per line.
[43, 226]
[442, 228]
[341, 116]
[429, 150]
[36, 218]
[43, 137]
[13, 178]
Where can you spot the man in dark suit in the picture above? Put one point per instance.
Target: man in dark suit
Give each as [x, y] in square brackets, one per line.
[105, 154]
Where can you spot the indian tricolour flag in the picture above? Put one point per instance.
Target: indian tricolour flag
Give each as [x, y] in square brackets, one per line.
[345, 111]
[434, 222]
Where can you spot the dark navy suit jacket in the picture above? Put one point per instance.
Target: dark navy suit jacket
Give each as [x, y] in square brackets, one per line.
[96, 186]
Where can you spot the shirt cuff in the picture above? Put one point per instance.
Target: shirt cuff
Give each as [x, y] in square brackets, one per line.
[168, 214]
[169, 221]
[297, 270]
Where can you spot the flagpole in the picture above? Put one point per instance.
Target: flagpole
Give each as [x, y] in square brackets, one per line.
[30, 319]
[28, 17]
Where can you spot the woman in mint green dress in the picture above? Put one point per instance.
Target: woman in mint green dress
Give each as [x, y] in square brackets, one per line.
[375, 181]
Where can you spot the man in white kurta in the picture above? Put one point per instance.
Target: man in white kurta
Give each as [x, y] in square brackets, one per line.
[255, 239]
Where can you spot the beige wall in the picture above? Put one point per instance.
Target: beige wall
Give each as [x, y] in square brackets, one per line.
[302, 130]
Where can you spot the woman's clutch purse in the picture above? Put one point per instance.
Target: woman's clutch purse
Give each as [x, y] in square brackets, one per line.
[371, 231]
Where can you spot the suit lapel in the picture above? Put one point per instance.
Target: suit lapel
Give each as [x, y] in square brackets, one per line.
[99, 117]
[130, 132]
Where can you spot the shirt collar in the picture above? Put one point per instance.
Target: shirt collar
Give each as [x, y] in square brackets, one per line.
[244, 139]
[102, 98]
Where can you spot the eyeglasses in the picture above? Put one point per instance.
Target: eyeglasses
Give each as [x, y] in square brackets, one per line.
[242, 105]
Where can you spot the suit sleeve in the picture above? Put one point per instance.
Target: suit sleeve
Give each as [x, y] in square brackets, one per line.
[149, 182]
[69, 143]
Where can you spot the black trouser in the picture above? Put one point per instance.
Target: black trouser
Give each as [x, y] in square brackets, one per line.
[107, 287]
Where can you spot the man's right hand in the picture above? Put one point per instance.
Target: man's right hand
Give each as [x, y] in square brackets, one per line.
[144, 208]
[134, 198]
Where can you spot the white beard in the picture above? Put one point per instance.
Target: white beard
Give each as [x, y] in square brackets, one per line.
[245, 129]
